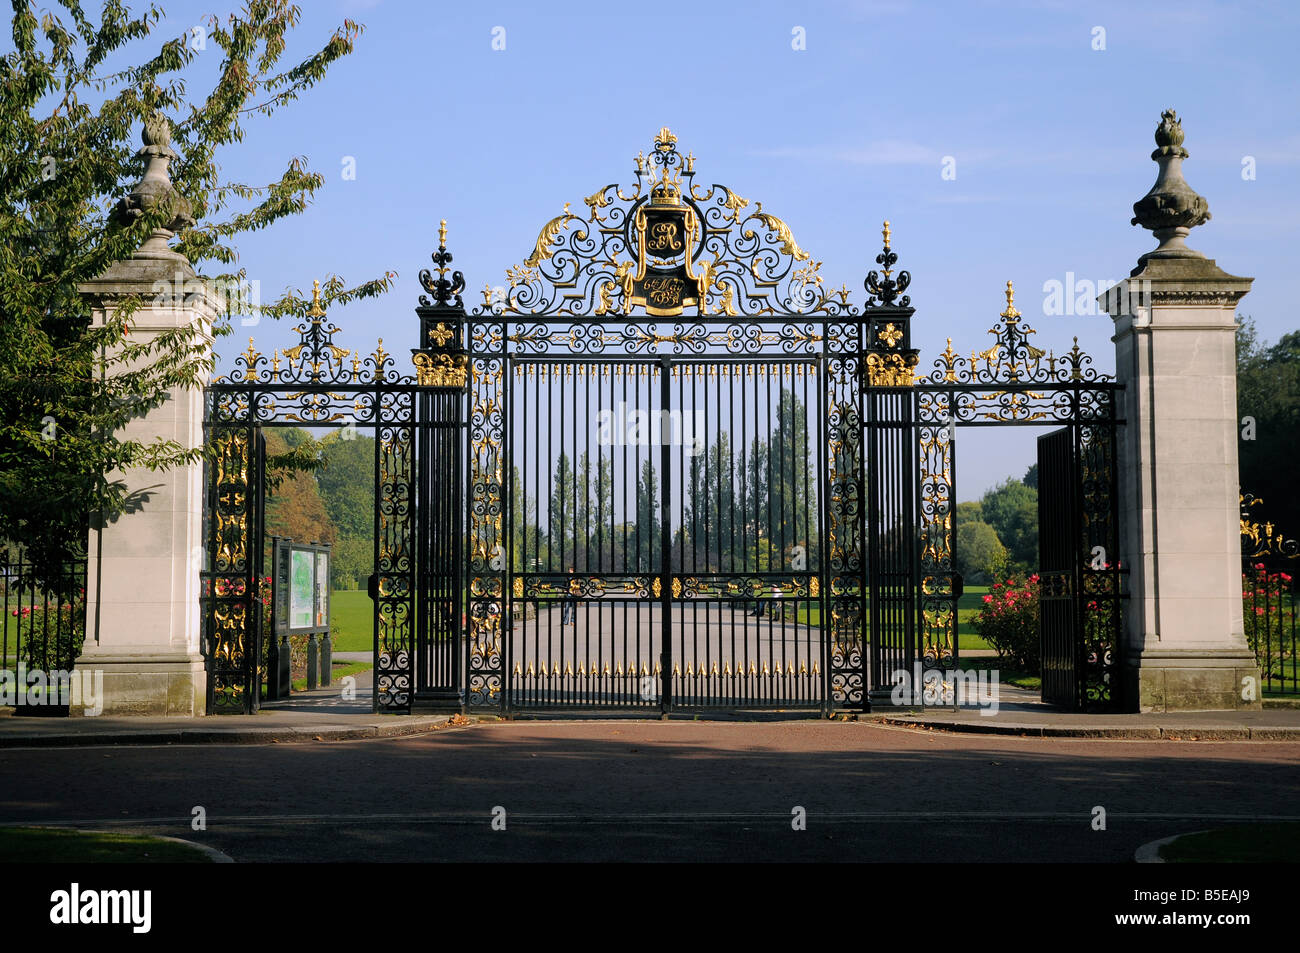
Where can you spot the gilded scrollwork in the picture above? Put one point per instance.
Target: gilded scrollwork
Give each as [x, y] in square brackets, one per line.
[667, 247]
[1012, 359]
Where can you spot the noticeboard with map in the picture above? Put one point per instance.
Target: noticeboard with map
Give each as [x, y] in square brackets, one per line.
[300, 587]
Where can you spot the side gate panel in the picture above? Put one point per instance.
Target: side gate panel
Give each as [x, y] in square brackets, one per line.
[1058, 544]
[395, 565]
[232, 580]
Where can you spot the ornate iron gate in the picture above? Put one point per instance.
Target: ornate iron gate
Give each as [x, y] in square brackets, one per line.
[666, 468]
[418, 428]
[674, 576]
[1014, 382]
[699, 476]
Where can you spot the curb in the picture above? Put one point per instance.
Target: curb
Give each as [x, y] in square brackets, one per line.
[1102, 732]
[232, 736]
[218, 857]
[1149, 853]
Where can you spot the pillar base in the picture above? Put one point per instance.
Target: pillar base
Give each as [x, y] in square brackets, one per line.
[1192, 680]
[148, 684]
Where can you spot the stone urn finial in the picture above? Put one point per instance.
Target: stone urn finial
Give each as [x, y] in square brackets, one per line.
[1172, 208]
[156, 190]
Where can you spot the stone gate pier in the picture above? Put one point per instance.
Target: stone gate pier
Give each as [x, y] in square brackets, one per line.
[142, 581]
[1175, 354]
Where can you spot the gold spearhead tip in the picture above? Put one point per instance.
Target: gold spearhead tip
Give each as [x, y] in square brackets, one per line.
[1011, 314]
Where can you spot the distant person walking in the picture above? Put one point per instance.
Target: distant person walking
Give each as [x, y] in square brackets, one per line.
[569, 611]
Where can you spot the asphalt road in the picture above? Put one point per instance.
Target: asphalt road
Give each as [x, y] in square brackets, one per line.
[650, 790]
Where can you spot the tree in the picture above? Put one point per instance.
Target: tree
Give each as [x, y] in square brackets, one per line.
[1011, 508]
[602, 513]
[68, 210]
[561, 534]
[1268, 414]
[1030, 479]
[648, 543]
[346, 479]
[793, 499]
[755, 500]
[294, 507]
[980, 556]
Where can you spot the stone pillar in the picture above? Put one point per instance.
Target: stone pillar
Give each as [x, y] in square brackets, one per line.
[1175, 344]
[142, 588]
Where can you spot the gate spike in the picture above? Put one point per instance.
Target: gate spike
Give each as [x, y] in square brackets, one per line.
[517, 671]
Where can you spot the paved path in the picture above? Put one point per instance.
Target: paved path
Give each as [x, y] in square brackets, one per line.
[638, 790]
[611, 654]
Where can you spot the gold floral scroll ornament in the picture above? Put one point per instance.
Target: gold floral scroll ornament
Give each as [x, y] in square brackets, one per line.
[441, 370]
[890, 370]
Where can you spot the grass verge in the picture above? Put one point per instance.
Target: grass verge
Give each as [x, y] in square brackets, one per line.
[1242, 844]
[50, 845]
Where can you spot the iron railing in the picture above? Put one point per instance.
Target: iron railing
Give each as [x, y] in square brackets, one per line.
[1270, 561]
[44, 617]
[1269, 603]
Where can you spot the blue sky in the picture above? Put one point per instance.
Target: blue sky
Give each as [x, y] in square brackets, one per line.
[1051, 140]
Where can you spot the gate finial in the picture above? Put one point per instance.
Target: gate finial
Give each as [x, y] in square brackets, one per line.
[446, 291]
[1172, 208]
[885, 289]
[155, 190]
[1011, 314]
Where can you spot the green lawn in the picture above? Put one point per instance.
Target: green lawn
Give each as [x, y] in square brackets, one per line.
[970, 603]
[338, 671]
[49, 845]
[352, 621]
[1006, 676]
[1244, 844]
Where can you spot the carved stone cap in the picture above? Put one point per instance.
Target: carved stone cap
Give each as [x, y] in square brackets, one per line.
[1172, 208]
[155, 190]
[1173, 281]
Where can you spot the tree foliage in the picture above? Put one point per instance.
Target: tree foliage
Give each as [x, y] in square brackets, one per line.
[68, 126]
[1011, 508]
[981, 557]
[1268, 411]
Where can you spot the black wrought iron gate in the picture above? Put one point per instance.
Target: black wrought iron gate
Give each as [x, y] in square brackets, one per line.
[663, 523]
[418, 425]
[1080, 575]
[665, 468]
